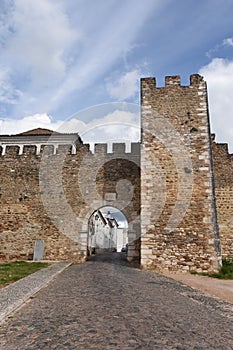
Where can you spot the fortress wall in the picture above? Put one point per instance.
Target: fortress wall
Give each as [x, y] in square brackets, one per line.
[51, 196]
[23, 217]
[179, 225]
[163, 186]
[223, 174]
[113, 179]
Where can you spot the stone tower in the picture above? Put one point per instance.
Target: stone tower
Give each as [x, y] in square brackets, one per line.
[178, 215]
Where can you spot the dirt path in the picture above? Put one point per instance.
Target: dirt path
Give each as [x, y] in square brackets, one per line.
[222, 289]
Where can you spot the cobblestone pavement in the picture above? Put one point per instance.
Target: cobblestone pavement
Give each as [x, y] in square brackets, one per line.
[106, 304]
[15, 294]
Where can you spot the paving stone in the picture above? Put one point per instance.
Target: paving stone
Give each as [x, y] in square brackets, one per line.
[14, 295]
[109, 304]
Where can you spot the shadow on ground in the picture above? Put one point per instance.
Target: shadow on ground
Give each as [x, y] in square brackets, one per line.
[113, 258]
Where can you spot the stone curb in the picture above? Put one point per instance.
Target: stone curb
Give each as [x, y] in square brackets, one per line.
[16, 294]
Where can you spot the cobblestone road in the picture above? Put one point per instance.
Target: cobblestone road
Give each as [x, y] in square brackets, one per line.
[105, 304]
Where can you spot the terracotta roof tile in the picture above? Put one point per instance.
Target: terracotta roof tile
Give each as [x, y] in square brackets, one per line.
[38, 131]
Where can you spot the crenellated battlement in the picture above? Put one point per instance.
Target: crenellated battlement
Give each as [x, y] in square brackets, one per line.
[36, 150]
[221, 151]
[15, 150]
[167, 185]
[172, 81]
[116, 148]
[34, 143]
[175, 131]
[223, 162]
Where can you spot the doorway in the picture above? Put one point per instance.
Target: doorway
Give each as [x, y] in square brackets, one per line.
[107, 231]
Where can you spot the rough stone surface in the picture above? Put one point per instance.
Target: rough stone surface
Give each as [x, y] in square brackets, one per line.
[52, 196]
[223, 173]
[101, 305]
[164, 186]
[23, 216]
[178, 218]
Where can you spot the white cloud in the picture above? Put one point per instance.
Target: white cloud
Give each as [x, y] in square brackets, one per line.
[127, 86]
[54, 48]
[112, 36]
[41, 33]
[116, 123]
[116, 126]
[219, 76]
[8, 94]
[228, 42]
[36, 42]
[12, 126]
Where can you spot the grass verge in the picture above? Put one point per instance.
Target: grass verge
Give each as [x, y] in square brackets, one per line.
[13, 271]
[226, 272]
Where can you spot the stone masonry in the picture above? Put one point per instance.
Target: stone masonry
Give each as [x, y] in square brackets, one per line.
[178, 217]
[223, 175]
[51, 184]
[51, 195]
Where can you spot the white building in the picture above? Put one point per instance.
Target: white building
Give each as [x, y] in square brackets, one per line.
[105, 232]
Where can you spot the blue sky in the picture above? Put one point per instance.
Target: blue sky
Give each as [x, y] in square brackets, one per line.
[65, 56]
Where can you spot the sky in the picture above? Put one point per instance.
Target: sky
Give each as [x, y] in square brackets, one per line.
[116, 214]
[75, 65]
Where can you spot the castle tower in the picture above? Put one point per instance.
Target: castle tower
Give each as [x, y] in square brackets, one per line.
[178, 217]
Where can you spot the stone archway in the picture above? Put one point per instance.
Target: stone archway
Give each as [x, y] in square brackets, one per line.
[112, 179]
[132, 237]
[107, 231]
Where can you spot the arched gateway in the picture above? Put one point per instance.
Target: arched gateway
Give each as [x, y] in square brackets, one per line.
[52, 183]
[107, 231]
[112, 179]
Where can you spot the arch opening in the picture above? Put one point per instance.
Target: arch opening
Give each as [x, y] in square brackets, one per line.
[107, 231]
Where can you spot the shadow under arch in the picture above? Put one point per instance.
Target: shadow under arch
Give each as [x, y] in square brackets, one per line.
[114, 258]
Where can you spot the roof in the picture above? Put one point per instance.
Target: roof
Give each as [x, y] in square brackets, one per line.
[101, 217]
[40, 136]
[38, 131]
[112, 222]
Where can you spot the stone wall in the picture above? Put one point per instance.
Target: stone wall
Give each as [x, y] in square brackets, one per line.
[112, 178]
[51, 197]
[223, 174]
[179, 224]
[164, 187]
[23, 218]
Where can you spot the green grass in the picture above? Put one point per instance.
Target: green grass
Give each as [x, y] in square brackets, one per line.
[13, 271]
[226, 272]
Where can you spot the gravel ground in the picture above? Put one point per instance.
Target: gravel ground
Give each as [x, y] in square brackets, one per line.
[108, 304]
